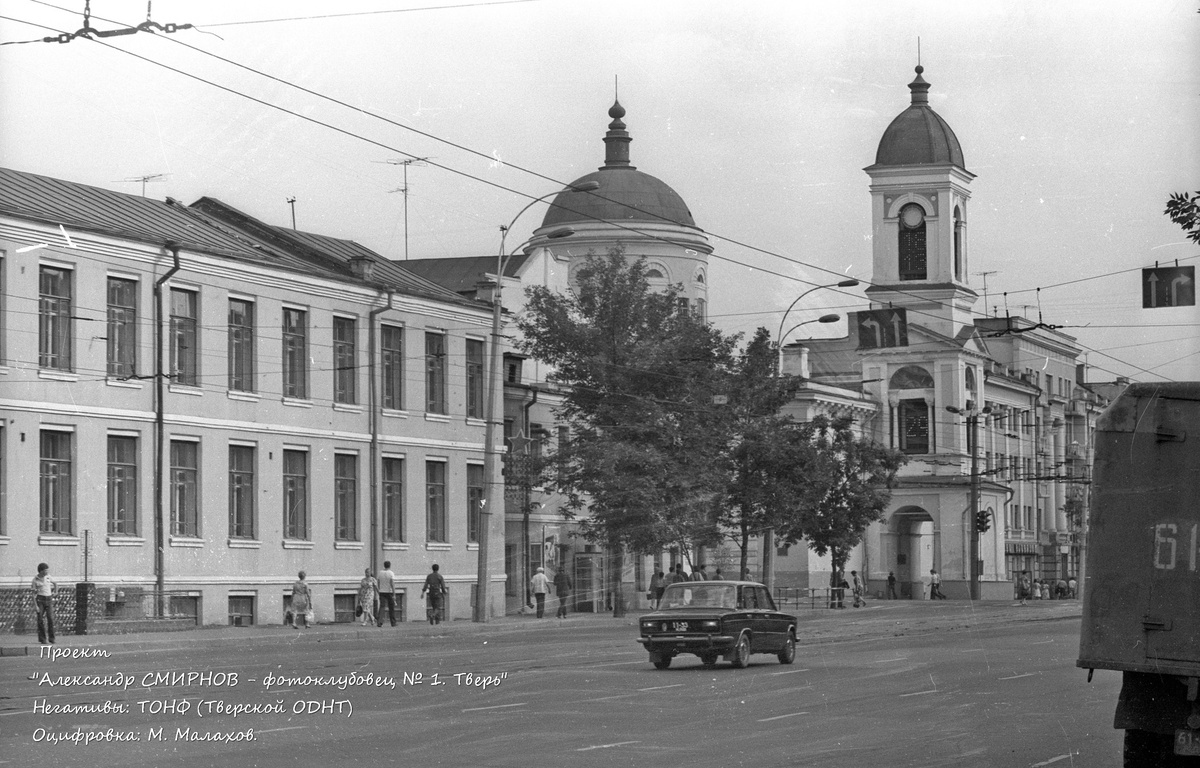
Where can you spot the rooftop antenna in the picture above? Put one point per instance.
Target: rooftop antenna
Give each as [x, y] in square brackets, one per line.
[292, 202]
[404, 189]
[149, 177]
[918, 50]
[985, 290]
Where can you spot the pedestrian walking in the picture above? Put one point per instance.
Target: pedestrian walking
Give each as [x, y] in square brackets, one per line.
[539, 585]
[368, 597]
[1024, 587]
[677, 575]
[891, 586]
[935, 585]
[43, 603]
[860, 599]
[301, 601]
[562, 590]
[658, 584]
[1072, 586]
[387, 593]
[435, 587]
[717, 574]
[699, 574]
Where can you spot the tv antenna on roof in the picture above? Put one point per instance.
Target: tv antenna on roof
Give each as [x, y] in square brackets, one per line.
[404, 189]
[985, 291]
[150, 177]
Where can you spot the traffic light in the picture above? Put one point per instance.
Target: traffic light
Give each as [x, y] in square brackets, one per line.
[983, 520]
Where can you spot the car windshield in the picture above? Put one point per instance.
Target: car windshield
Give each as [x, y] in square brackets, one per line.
[699, 596]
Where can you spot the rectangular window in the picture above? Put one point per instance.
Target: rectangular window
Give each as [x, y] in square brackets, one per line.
[185, 356]
[914, 426]
[122, 485]
[435, 373]
[475, 495]
[295, 353]
[435, 501]
[393, 499]
[241, 492]
[241, 345]
[391, 367]
[345, 502]
[57, 491]
[295, 494]
[475, 380]
[122, 327]
[185, 499]
[344, 353]
[241, 610]
[55, 324]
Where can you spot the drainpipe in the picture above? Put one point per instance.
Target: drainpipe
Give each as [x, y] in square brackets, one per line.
[159, 430]
[373, 397]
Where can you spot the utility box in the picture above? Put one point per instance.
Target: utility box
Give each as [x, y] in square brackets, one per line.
[1141, 611]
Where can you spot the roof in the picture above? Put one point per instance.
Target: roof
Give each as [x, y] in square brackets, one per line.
[463, 274]
[85, 208]
[918, 135]
[624, 192]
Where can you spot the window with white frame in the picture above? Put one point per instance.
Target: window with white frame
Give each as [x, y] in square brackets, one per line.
[241, 345]
[435, 502]
[344, 362]
[391, 367]
[56, 513]
[435, 373]
[345, 496]
[295, 353]
[55, 318]
[122, 327]
[393, 498]
[185, 355]
[122, 485]
[476, 491]
[295, 494]
[475, 379]
[241, 492]
[185, 485]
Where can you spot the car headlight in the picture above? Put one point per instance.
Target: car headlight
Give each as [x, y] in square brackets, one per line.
[713, 625]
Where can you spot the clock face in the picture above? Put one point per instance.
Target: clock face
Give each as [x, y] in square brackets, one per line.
[912, 216]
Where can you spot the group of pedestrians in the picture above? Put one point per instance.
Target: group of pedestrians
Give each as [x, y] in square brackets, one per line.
[1029, 588]
[539, 587]
[376, 595]
[660, 581]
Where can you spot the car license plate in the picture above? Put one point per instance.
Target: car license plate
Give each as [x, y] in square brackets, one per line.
[1187, 742]
[679, 626]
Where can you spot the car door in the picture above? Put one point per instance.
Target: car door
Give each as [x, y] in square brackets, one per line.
[747, 607]
[775, 622]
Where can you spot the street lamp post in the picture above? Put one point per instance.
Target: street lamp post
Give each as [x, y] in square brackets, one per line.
[491, 417]
[849, 283]
[972, 415]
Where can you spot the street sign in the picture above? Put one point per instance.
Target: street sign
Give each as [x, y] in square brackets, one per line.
[1168, 287]
[882, 328]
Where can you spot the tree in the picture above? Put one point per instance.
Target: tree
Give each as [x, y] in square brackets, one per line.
[768, 453]
[641, 371]
[848, 487]
[1184, 210]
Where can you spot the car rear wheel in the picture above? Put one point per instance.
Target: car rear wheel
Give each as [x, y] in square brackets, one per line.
[740, 655]
[660, 660]
[787, 654]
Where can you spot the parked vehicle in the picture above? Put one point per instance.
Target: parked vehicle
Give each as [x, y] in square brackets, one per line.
[1141, 588]
[710, 619]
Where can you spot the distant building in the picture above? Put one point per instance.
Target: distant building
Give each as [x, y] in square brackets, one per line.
[198, 405]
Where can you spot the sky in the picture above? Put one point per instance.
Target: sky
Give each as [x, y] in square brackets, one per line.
[1077, 118]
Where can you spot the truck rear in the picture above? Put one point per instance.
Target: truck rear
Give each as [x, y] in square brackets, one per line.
[1141, 611]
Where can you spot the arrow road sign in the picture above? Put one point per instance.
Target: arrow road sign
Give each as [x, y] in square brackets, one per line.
[1169, 287]
[882, 328]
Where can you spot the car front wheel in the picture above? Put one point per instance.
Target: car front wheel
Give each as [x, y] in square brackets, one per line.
[740, 655]
[787, 654]
[660, 660]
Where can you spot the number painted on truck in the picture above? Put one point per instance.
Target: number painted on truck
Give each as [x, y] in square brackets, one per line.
[1166, 547]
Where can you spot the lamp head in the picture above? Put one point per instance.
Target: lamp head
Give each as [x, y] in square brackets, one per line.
[830, 318]
[847, 283]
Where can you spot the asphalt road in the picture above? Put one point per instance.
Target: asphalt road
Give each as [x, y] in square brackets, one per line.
[891, 685]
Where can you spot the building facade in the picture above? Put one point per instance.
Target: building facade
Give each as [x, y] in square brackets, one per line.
[197, 406]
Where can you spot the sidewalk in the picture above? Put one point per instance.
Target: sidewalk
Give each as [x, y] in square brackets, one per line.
[880, 618]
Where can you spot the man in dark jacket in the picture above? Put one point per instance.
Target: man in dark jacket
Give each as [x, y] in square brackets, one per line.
[562, 590]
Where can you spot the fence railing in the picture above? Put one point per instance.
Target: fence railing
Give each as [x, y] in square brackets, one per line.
[811, 597]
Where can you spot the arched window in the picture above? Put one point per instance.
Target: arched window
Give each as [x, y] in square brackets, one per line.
[958, 245]
[911, 377]
[972, 395]
[913, 260]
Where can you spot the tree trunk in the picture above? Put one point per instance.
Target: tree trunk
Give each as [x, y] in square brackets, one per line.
[617, 558]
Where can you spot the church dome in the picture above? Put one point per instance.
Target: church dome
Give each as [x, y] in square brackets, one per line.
[624, 194]
[918, 135]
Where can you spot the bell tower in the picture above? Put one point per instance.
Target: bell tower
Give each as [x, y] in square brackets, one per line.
[919, 193]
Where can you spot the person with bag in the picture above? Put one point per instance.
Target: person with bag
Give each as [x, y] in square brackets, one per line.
[301, 602]
[368, 597]
[435, 586]
[540, 585]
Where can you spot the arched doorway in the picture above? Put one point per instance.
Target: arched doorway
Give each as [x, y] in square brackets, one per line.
[910, 543]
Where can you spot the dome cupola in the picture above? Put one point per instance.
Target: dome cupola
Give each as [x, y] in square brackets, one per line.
[918, 135]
